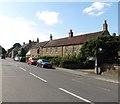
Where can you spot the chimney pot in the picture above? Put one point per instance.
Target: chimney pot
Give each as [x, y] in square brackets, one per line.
[30, 41]
[105, 26]
[51, 37]
[70, 33]
[37, 40]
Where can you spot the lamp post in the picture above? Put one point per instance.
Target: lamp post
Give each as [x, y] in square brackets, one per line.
[97, 60]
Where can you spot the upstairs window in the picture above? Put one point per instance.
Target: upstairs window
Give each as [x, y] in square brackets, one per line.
[51, 50]
[66, 49]
[73, 49]
[56, 49]
[46, 50]
[38, 51]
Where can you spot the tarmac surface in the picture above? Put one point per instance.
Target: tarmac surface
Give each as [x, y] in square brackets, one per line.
[110, 76]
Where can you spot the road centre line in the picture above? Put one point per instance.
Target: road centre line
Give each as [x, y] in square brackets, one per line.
[88, 101]
[38, 77]
[22, 68]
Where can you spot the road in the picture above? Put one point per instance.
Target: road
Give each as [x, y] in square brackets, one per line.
[28, 83]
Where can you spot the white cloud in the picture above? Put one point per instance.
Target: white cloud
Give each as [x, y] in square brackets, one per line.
[96, 8]
[18, 30]
[49, 18]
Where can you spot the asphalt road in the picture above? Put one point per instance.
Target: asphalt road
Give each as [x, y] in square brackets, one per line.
[28, 83]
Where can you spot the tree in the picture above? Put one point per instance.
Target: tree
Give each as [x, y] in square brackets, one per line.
[16, 45]
[110, 46]
[21, 52]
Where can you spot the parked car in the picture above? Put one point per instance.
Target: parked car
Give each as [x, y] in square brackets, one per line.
[44, 63]
[17, 58]
[22, 59]
[32, 61]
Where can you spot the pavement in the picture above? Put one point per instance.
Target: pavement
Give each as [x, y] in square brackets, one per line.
[109, 76]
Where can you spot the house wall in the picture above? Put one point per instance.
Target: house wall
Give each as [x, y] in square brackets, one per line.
[61, 51]
[72, 49]
[33, 52]
[36, 52]
[52, 51]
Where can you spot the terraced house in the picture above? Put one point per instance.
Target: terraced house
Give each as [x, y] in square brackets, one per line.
[68, 45]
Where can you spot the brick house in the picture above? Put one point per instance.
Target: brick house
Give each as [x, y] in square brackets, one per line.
[67, 45]
[28, 46]
[37, 50]
[71, 44]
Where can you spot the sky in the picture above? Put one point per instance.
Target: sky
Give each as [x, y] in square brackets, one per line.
[24, 21]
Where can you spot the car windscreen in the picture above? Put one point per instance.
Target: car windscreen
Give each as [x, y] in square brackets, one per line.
[45, 60]
[34, 59]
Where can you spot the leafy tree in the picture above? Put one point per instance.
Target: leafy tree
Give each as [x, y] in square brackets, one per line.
[21, 52]
[16, 45]
[110, 46]
[3, 51]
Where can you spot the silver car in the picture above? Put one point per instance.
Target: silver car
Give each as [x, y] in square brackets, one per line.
[44, 63]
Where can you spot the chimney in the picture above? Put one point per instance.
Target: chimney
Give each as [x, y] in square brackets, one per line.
[51, 37]
[70, 33]
[37, 40]
[105, 26]
[30, 41]
[23, 43]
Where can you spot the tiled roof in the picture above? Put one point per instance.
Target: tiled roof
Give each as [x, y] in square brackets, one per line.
[80, 39]
[41, 44]
[23, 46]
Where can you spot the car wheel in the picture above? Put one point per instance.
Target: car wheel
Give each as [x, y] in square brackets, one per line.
[42, 66]
[37, 65]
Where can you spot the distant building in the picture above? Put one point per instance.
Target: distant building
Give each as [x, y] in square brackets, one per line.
[12, 52]
[37, 50]
[28, 46]
[2, 51]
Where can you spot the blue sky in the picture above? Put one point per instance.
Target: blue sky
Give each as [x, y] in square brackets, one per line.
[24, 21]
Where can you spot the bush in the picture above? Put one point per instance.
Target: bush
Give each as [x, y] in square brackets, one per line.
[70, 61]
[27, 58]
[56, 61]
[89, 65]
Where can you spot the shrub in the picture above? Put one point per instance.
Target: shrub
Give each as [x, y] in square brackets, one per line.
[56, 60]
[27, 58]
[70, 61]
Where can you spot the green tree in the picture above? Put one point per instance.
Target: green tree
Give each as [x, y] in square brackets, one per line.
[110, 46]
[21, 52]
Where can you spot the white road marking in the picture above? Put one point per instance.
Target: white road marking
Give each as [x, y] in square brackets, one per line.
[22, 68]
[108, 80]
[76, 96]
[38, 77]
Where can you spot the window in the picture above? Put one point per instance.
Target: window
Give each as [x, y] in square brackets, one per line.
[51, 50]
[56, 49]
[66, 49]
[38, 51]
[73, 49]
[46, 50]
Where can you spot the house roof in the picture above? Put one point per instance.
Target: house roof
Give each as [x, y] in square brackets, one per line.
[41, 44]
[80, 39]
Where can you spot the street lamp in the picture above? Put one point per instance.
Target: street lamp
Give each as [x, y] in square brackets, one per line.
[97, 61]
